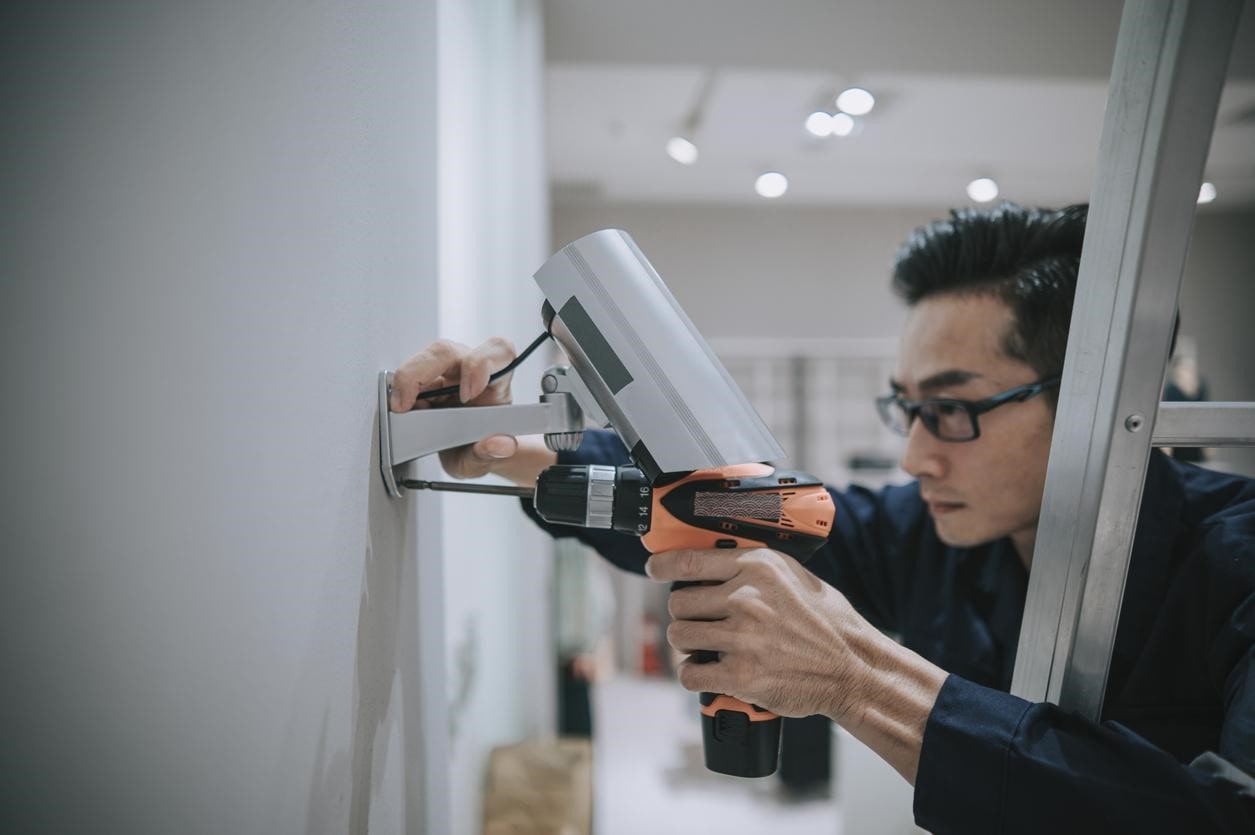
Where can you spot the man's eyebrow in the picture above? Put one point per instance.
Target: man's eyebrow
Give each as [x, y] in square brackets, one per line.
[945, 379]
[940, 380]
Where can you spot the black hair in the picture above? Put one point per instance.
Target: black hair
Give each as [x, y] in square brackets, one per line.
[1028, 258]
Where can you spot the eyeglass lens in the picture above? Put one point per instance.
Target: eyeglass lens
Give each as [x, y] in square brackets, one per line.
[949, 421]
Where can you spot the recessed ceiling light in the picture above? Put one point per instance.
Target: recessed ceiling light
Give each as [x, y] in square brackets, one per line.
[856, 101]
[681, 150]
[1207, 193]
[982, 190]
[771, 185]
[843, 124]
[820, 123]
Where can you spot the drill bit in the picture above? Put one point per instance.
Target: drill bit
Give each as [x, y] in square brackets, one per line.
[458, 487]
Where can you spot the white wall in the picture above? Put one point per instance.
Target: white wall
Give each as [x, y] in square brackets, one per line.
[220, 223]
[493, 235]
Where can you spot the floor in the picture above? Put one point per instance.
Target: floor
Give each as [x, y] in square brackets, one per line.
[649, 778]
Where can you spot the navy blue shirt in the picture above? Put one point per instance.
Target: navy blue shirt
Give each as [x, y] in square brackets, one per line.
[1176, 746]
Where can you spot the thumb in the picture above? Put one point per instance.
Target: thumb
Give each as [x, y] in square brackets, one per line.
[495, 448]
[477, 459]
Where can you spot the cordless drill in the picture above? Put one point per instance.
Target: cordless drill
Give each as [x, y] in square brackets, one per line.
[741, 506]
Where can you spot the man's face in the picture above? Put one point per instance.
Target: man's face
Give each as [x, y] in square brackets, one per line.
[976, 491]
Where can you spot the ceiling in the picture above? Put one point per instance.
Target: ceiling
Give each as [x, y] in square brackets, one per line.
[964, 89]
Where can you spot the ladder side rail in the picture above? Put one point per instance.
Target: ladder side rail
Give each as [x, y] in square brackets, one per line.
[1170, 62]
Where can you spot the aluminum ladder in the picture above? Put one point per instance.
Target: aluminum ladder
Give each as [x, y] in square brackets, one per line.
[1170, 63]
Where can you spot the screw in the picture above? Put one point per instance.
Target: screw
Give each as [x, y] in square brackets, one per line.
[1134, 423]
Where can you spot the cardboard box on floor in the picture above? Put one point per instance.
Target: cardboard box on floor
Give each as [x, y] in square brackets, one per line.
[540, 788]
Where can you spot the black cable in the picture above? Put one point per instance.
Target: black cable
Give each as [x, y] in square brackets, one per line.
[447, 390]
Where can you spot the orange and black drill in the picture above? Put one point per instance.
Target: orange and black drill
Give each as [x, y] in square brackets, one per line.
[742, 506]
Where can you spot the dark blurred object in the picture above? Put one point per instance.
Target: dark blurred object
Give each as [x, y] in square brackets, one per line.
[583, 614]
[871, 461]
[806, 756]
[575, 710]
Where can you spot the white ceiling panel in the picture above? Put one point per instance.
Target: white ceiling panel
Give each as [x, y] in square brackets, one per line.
[615, 95]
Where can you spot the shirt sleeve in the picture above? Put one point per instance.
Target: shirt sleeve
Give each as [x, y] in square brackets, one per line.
[995, 763]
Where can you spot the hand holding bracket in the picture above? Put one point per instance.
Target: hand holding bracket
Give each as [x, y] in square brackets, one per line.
[405, 436]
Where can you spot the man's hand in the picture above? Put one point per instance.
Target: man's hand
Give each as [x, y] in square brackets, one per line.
[787, 640]
[446, 363]
[793, 644]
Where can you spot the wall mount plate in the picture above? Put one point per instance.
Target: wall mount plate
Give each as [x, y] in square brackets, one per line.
[385, 436]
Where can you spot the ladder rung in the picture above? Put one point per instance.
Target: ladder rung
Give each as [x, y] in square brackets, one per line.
[1205, 424]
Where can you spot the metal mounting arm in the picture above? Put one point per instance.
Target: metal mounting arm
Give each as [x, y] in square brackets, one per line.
[406, 436]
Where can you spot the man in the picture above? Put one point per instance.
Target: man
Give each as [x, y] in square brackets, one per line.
[943, 564]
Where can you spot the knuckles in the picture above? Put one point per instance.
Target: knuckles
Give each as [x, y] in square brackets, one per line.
[688, 563]
[446, 350]
[501, 345]
[731, 674]
[762, 560]
[748, 601]
[676, 634]
[766, 566]
[690, 676]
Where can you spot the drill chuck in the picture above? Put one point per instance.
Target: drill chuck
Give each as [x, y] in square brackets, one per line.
[738, 506]
[595, 496]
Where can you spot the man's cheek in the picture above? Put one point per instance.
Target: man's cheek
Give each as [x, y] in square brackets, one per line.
[963, 529]
[949, 532]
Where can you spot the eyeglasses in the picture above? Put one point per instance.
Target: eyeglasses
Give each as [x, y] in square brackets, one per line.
[952, 420]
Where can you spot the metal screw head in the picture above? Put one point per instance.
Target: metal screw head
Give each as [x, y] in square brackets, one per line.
[1133, 423]
[549, 384]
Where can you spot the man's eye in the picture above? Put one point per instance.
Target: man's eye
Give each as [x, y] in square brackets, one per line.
[946, 409]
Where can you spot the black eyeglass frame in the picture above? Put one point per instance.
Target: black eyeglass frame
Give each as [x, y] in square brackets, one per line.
[972, 408]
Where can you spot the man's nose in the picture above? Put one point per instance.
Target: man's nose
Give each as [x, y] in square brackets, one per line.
[924, 456]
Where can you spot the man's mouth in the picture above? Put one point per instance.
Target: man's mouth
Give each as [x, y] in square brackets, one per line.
[940, 508]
